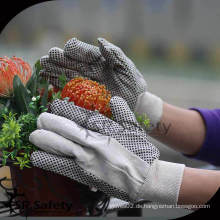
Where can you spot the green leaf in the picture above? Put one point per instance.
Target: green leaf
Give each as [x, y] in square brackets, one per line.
[33, 83]
[4, 162]
[3, 101]
[143, 120]
[10, 105]
[44, 99]
[14, 138]
[22, 153]
[63, 80]
[21, 96]
[19, 159]
[14, 154]
[37, 67]
[56, 96]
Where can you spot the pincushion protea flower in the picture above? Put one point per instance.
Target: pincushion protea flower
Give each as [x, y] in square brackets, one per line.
[88, 94]
[9, 67]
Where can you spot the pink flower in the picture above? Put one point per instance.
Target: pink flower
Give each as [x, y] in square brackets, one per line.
[9, 67]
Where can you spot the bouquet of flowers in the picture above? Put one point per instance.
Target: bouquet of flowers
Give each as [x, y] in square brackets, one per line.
[21, 101]
[24, 95]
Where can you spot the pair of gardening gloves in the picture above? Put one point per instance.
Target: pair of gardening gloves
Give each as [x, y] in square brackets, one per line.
[113, 155]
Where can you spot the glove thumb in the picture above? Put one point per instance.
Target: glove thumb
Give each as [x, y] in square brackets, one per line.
[122, 113]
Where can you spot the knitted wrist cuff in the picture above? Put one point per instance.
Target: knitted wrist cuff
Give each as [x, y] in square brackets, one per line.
[163, 182]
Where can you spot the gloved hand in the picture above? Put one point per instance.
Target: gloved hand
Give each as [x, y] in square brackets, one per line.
[106, 64]
[113, 156]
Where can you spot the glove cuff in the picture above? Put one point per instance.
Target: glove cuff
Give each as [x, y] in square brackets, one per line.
[162, 183]
[150, 105]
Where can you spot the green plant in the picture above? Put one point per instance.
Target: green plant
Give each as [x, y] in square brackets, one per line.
[57, 95]
[22, 95]
[143, 120]
[10, 142]
[63, 80]
[28, 123]
[14, 138]
[3, 111]
[18, 117]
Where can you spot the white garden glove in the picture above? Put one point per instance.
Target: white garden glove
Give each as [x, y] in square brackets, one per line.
[106, 64]
[113, 156]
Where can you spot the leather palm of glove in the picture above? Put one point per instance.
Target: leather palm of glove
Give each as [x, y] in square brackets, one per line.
[113, 156]
[106, 64]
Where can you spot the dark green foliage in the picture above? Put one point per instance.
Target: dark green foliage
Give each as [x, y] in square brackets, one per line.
[21, 97]
[35, 80]
[14, 138]
[63, 80]
[28, 123]
[18, 118]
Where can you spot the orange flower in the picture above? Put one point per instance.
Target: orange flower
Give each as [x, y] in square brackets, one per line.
[9, 67]
[88, 94]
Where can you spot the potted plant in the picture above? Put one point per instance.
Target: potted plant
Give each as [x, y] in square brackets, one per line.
[23, 96]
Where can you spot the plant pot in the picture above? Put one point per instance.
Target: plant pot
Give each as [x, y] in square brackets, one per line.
[46, 193]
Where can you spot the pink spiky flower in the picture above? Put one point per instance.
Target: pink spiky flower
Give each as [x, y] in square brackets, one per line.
[9, 67]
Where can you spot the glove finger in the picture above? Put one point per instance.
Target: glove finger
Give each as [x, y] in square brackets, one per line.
[44, 60]
[54, 143]
[81, 51]
[113, 54]
[51, 71]
[72, 112]
[49, 65]
[52, 78]
[88, 119]
[71, 73]
[104, 125]
[58, 70]
[57, 57]
[122, 113]
[70, 130]
[60, 135]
